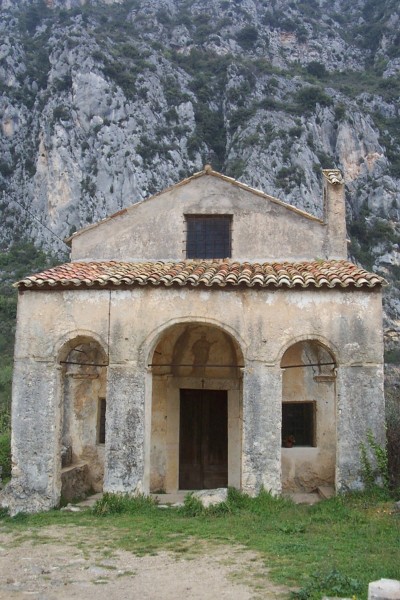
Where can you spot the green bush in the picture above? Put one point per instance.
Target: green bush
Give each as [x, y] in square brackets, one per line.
[173, 93]
[392, 356]
[340, 112]
[63, 84]
[192, 507]
[5, 454]
[61, 113]
[308, 97]
[6, 169]
[247, 37]
[332, 582]
[393, 437]
[241, 117]
[316, 69]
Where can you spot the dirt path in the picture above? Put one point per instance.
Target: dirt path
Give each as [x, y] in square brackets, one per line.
[62, 563]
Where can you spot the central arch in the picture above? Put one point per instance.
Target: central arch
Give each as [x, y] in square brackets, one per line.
[196, 411]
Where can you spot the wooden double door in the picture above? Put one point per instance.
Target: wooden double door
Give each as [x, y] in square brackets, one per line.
[203, 439]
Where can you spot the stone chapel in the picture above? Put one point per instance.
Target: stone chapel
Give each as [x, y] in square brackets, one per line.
[208, 336]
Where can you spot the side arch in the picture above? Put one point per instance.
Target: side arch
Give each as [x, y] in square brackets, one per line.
[308, 415]
[73, 338]
[322, 341]
[83, 365]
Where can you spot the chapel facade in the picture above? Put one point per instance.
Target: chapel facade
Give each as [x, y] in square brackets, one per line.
[208, 336]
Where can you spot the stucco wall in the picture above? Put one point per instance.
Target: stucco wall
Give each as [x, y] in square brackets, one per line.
[264, 323]
[155, 229]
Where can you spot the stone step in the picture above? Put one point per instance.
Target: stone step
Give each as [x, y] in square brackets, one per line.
[326, 491]
[175, 499]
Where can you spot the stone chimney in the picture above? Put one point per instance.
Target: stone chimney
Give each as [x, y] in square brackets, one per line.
[334, 214]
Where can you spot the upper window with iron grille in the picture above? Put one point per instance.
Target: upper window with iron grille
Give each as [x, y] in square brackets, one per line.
[208, 236]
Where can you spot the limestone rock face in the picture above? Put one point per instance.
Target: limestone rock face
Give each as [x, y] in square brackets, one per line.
[106, 102]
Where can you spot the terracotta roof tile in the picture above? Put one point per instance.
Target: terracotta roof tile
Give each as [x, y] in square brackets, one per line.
[219, 273]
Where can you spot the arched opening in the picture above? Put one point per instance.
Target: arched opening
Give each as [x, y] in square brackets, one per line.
[308, 417]
[84, 372]
[196, 409]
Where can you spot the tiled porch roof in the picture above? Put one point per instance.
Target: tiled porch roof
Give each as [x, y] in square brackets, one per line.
[218, 273]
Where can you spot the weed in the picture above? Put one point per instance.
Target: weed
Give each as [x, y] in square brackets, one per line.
[332, 582]
[112, 504]
[5, 455]
[3, 513]
[192, 507]
[370, 473]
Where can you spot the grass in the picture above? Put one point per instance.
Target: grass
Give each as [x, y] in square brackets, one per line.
[339, 544]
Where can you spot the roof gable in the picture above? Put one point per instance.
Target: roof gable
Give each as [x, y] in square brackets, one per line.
[206, 172]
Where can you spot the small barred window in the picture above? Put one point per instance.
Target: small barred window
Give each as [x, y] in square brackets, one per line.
[101, 431]
[298, 424]
[208, 236]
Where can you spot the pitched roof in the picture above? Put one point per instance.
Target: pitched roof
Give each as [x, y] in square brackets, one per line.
[207, 171]
[209, 273]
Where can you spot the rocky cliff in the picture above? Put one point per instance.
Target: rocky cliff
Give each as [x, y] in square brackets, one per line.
[104, 103]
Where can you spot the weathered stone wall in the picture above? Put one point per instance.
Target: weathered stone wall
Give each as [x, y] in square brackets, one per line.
[264, 323]
[154, 229]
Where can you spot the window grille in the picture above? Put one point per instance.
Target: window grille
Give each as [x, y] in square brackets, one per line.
[298, 424]
[101, 432]
[208, 236]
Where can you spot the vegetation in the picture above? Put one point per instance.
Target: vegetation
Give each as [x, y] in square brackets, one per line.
[308, 97]
[393, 435]
[378, 473]
[116, 504]
[335, 547]
[367, 231]
[247, 37]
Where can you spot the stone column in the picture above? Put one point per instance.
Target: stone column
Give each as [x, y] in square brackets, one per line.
[262, 414]
[36, 437]
[360, 406]
[125, 428]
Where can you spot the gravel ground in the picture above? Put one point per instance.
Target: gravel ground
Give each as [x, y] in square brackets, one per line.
[61, 563]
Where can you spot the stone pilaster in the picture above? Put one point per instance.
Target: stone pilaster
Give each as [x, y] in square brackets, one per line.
[262, 397]
[36, 438]
[125, 428]
[360, 406]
